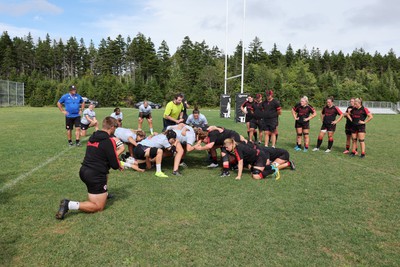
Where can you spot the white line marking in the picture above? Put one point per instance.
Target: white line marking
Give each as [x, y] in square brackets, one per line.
[22, 177]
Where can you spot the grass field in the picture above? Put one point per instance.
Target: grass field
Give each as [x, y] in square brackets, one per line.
[332, 211]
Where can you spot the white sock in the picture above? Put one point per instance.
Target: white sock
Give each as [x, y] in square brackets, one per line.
[158, 167]
[151, 130]
[73, 205]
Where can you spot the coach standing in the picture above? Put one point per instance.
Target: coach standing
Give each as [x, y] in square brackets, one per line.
[173, 113]
[74, 105]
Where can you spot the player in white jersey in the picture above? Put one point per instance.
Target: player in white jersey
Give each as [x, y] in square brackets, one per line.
[88, 120]
[117, 114]
[130, 137]
[151, 148]
[197, 120]
[145, 113]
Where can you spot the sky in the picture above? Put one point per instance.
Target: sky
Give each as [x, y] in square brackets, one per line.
[339, 25]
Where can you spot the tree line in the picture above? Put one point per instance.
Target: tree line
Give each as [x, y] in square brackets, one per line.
[122, 71]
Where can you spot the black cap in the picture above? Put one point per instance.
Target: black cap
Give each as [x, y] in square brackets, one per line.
[73, 87]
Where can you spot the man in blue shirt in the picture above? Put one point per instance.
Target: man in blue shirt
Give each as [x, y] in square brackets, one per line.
[73, 107]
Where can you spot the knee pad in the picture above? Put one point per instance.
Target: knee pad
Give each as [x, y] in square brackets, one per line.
[354, 139]
[299, 134]
[361, 140]
[305, 134]
[225, 158]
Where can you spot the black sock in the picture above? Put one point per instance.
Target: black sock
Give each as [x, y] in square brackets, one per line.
[330, 143]
[319, 142]
[255, 136]
[77, 141]
[70, 141]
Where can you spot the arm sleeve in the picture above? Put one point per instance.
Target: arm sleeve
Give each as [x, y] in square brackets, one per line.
[112, 156]
[168, 109]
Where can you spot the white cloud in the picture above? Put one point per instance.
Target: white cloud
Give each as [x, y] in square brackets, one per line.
[31, 6]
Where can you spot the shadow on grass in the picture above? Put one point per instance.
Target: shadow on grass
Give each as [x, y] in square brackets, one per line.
[6, 196]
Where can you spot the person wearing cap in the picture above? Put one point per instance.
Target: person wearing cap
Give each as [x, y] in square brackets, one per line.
[73, 107]
[173, 113]
[88, 119]
[272, 110]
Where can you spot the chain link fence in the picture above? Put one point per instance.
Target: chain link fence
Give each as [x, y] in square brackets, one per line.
[380, 107]
[11, 93]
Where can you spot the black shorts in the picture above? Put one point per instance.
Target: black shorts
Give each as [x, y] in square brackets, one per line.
[145, 116]
[257, 124]
[261, 160]
[140, 151]
[305, 125]
[281, 154]
[70, 122]
[248, 117]
[270, 124]
[84, 126]
[358, 129]
[96, 182]
[348, 129]
[328, 127]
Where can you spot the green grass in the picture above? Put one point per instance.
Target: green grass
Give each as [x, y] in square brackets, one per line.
[333, 210]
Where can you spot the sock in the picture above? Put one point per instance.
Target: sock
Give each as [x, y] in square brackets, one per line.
[305, 146]
[69, 141]
[214, 160]
[225, 169]
[77, 141]
[158, 167]
[298, 145]
[330, 143]
[347, 147]
[151, 130]
[319, 142]
[255, 136]
[73, 205]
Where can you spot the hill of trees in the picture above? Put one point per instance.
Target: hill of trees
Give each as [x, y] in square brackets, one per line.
[123, 71]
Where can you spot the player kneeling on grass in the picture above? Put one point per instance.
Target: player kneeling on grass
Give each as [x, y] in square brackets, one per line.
[247, 155]
[101, 154]
[152, 147]
[88, 120]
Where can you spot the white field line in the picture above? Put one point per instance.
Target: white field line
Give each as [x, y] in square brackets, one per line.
[22, 177]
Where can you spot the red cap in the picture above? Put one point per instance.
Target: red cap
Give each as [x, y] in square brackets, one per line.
[258, 96]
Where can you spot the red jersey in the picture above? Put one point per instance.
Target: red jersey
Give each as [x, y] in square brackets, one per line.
[359, 114]
[330, 114]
